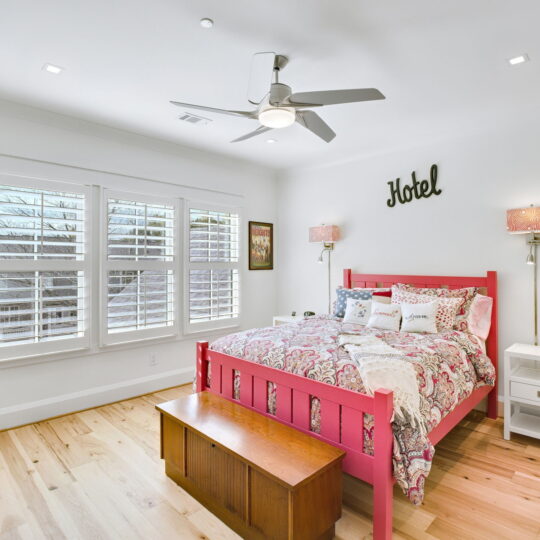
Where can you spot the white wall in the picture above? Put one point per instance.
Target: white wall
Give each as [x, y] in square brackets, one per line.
[95, 154]
[460, 232]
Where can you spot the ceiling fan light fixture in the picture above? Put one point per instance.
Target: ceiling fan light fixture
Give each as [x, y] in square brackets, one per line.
[277, 117]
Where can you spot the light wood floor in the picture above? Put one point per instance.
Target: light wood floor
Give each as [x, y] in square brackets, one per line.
[97, 474]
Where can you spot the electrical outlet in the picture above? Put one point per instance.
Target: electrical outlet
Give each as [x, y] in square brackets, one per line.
[153, 359]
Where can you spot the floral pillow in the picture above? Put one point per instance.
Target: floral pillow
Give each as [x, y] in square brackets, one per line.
[466, 295]
[447, 308]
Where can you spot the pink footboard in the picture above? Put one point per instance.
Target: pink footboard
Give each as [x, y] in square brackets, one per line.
[341, 418]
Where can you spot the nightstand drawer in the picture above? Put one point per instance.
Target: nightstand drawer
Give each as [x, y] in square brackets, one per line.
[525, 391]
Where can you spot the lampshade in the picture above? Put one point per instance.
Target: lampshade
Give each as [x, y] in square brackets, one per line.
[324, 233]
[523, 220]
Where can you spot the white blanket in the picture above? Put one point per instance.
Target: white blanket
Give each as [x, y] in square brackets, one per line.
[382, 366]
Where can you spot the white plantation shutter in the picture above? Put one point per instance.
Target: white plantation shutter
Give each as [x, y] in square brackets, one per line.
[212, 273]
[44, 267]
[139, 270]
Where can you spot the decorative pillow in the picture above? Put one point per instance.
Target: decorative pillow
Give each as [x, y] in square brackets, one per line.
[341, 299]
[446, 309]
[479, 318]
[384, 316]
[466, 295]
[357, 311]
[419, 317]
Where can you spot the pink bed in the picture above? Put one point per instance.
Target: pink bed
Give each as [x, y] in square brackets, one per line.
[299, 374]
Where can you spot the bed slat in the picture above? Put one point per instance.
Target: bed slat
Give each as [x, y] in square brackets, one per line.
[330, 424]
[246, 389]
[260, 394]
[352, 428]
[215, 378]
[227, 382]
[301, 409]
[284, 403]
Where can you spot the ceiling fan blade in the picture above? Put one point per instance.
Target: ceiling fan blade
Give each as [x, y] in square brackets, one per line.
[258, 131]
[244, 114]
[312, 121]
[260, 76]
[333, 97]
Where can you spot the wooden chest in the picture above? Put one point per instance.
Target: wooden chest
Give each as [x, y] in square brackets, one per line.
[262, 478]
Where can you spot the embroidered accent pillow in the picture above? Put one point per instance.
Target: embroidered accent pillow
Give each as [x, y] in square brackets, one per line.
[479, 318]
[466, 295]
[384, 316]
[419, 317]
[341, 299]
[447, 308]
[357, 311]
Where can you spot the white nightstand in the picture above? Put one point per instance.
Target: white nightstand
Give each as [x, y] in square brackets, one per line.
[522, 390]
[284, 319]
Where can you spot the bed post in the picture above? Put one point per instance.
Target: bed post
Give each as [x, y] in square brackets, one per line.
[202, 366]
[492, 345]
[382, 465]
[347, 278]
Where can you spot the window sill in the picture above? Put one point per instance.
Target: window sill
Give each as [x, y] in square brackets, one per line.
[27, 360]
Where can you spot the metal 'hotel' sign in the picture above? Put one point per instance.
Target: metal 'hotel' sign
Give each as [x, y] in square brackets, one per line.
[419, 189]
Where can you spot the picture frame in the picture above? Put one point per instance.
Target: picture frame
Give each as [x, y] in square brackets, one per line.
[261, 245]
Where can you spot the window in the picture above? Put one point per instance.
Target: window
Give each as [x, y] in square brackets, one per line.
[139, 268]
[43, 267]
[212, 273]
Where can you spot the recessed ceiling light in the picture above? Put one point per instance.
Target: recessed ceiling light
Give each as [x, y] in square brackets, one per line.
[271, 141]
[518, 59]
[207, 23]
[51, 68]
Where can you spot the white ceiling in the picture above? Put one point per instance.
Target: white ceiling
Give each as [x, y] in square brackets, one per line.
[442, 66]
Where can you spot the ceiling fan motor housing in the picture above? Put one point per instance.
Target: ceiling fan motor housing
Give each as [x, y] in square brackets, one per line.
[278, 93]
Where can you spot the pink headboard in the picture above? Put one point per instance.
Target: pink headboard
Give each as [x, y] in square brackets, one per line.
[487, 285]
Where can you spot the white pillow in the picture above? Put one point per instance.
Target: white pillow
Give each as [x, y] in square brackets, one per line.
[357, 311]
[385, 316]
[419, 317]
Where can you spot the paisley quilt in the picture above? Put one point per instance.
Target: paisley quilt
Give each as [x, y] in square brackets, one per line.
[449, 366]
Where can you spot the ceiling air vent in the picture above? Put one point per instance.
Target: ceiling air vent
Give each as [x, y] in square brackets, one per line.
[194, 119]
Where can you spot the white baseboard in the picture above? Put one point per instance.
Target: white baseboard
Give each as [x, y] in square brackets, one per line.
[34, 411]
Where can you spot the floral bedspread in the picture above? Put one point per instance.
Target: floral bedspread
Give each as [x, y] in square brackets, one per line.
[449, 365]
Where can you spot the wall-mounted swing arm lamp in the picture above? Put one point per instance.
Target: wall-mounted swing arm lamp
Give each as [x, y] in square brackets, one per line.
[527, 221]
[327, 235]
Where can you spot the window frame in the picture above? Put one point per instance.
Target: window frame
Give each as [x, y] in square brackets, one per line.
[108, 339]
[23, 350]
[223, 324]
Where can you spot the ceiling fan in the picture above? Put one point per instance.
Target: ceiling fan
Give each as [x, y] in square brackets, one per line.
[280, 108]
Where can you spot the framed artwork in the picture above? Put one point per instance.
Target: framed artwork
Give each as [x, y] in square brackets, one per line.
[261, 246]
